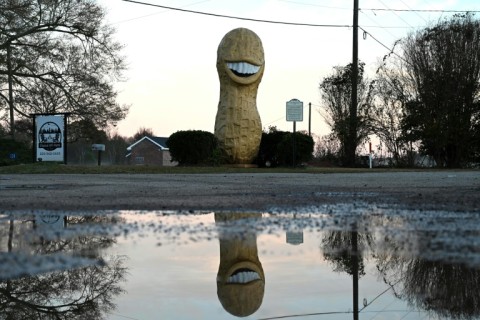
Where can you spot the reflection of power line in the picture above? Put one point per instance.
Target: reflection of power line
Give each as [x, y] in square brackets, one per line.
[122, 316]
[307, 315]
[330, 313]
[380, 294]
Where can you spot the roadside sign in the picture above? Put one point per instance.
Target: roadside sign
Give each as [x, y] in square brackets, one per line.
[294, 110]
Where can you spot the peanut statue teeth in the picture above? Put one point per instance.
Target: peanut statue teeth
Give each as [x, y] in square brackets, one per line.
[240, 66]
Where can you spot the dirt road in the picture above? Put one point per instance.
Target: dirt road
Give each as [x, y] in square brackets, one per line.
[449, 190]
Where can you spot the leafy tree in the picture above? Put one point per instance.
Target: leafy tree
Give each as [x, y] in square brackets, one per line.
[58, 56]
[142, 132]
[115, 148]
[192, 147]
[336, 93]
[443, 65]
[81, 135]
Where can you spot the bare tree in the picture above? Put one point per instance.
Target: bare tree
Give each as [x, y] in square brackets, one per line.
[391, 93]
[336, 96]
[59, 56]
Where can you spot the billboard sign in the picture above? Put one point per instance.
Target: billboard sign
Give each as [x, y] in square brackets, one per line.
[50, 144]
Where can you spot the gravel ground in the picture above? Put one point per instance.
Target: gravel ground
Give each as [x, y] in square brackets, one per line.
[439, 190]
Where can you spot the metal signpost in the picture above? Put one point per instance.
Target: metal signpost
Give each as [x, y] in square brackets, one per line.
[294, 113]
[98, 147]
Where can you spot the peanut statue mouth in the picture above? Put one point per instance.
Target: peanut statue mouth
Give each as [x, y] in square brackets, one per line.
[243, 276]
[242, 69]
[243, 72]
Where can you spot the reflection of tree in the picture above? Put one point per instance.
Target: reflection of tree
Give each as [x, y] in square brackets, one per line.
[344, 250]
[448, 290]
[84, 293]
[338, 249]
[81, 293]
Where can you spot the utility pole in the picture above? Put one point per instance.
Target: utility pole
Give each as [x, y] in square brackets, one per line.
[10, 91]
[310, 119]
[352, 144]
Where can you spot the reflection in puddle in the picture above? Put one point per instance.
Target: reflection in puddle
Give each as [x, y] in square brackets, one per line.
[240, 279]
[334, 262]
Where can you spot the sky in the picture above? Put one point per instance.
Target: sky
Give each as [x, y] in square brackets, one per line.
[172, 83]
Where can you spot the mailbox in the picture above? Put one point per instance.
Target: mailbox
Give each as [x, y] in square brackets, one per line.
[98, 147]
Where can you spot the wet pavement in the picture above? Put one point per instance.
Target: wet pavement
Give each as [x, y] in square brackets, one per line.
[345, 253]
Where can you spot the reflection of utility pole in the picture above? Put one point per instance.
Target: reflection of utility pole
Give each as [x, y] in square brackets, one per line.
[355, 273]
[10, 90]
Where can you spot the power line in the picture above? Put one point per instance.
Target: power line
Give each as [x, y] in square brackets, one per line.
[155, 13]
[378, 41]
[315, 5]
[421, 10]
[241, 18]
[394, 12]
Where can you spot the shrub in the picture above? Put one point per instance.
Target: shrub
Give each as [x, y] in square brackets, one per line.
[22, 151]
[303, 148]
[193, 147]
[268, 154]
[276, 148]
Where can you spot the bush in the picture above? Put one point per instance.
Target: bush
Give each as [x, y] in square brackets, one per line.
[303, 148]
[276, 148]
[22, 151]
[268, 154]
[193, 147]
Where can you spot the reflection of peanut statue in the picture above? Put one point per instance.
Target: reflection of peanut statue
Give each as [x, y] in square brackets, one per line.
[240, 66]
[240, 278]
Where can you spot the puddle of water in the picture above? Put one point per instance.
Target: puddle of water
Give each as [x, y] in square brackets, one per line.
[335, 262]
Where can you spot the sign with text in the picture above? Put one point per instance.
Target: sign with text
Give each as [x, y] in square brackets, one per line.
[50, 137]
[294, 110]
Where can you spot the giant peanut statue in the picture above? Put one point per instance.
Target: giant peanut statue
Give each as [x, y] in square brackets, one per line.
[240, 66]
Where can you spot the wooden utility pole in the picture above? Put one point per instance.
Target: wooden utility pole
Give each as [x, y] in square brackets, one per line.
[10, 91]
[352, 144]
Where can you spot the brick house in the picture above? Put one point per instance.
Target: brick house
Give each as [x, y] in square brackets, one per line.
[149, 151]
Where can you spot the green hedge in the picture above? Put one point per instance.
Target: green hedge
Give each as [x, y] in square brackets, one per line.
[193, 147]
[276, 149]
[14, 152]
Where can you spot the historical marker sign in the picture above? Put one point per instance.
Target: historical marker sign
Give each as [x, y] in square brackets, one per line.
[294, 110]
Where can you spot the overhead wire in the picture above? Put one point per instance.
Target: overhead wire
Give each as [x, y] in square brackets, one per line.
[240, 18]
[418, 15]
[315, 5]
[421, 10]
[394, 12]
[159, 12]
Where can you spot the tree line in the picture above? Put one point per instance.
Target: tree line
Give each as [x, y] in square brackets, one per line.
[61, 57]
[424, 98]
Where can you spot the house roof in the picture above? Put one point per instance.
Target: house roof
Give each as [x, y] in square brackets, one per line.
[161, 142]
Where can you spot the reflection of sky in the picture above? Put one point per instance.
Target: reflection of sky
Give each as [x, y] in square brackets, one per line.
[178, 281]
